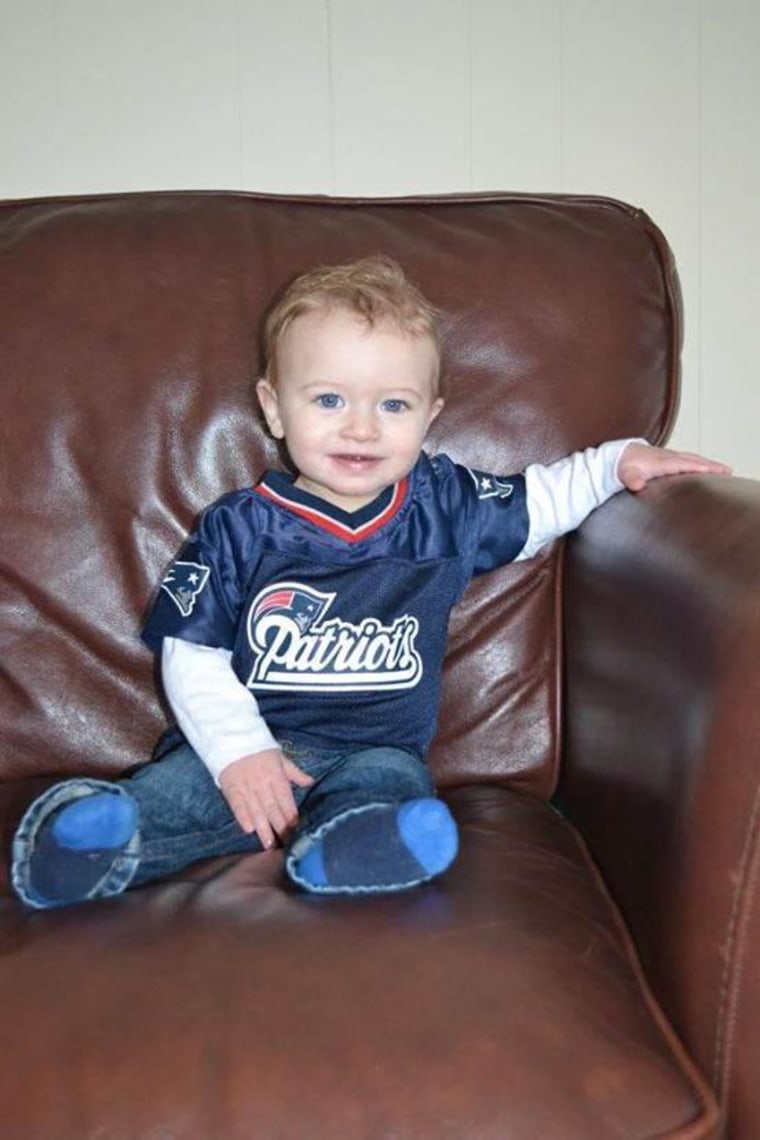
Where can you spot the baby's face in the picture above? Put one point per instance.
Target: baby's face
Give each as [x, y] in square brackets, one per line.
[352, 403]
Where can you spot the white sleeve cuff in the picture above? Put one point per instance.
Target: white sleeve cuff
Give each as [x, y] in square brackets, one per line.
[217, 714]
[561, 495]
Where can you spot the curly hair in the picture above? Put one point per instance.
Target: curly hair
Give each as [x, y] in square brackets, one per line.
[375, 289]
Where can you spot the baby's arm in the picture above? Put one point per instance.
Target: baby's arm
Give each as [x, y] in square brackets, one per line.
[561, 495]
[222, 722]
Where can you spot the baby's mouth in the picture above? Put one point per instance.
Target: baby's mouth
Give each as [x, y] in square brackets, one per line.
[356, 462]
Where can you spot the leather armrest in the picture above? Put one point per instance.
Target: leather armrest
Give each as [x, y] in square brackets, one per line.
[662, 766]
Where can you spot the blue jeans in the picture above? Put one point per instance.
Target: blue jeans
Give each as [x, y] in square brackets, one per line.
[185, 818]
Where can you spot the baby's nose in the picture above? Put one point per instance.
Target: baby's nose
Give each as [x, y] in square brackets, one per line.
[361, 424]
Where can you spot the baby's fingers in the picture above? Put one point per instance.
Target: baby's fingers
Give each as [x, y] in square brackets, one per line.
[250, 811]
[698, 463]
[240, 808]
[297, 775]
[263, 828]
[683, 462]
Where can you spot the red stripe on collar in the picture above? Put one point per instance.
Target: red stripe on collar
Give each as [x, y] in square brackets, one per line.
[326, 522]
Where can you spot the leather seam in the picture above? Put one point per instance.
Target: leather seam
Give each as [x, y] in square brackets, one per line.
[706, 1124]
[735, 953]
[558, 666]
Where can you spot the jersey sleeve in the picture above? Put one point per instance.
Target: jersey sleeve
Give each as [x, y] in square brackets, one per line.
[508, 518]
[200, 596]
[487, 513]
[501, 519]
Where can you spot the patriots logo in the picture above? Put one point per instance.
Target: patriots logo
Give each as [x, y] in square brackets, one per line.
[300, 604]
[490, 487]
[295, 648]
[184, 583]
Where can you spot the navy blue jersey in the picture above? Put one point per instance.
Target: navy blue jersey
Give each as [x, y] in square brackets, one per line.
[337, 622]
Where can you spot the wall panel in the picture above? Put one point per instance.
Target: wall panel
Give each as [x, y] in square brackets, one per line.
[285, 96]
[630, 129]
[148, 94]
[401, 90]
[29, 61]
[729, 238]
[516, 94]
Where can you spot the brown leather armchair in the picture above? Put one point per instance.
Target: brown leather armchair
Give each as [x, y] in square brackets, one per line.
[588, 969]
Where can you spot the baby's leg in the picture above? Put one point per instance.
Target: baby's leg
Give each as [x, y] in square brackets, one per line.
[183, 816]
[372, 825]
[77, 841]
[87, 839]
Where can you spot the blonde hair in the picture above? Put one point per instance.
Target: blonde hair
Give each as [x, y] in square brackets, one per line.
[375, 289]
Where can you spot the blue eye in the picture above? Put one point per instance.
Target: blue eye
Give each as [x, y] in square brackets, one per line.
[329, 400]
[395, 405]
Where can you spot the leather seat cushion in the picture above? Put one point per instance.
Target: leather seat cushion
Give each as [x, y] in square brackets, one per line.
[226, 1004]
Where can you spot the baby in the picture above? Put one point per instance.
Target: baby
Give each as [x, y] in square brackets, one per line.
[302, 628]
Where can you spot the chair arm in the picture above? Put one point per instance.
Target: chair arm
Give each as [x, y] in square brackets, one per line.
[662, 765]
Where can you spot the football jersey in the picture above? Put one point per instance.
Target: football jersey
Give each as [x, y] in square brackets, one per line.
[336, 621]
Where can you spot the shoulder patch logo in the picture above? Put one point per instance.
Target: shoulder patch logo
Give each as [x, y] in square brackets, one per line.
[491, 487]
[184, 583]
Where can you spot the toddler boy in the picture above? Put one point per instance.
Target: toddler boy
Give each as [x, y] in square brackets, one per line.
[302, 628]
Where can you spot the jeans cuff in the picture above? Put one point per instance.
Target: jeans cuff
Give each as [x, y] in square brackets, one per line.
[119, 875]
[307, 840]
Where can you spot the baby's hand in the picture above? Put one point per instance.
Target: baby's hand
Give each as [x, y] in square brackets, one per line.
[640, 463]
[259, 793]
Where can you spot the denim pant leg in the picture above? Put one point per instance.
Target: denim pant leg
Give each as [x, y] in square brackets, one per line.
[354, 781]
[117, 877]
[361, 777]
[183, 816]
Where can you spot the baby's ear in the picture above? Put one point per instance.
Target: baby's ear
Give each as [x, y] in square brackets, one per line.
[270, 406]
[436, 409]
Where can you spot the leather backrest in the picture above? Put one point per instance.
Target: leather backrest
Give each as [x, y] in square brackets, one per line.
[129, 330]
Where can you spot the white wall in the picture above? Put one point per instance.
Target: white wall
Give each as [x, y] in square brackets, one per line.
[656, 102]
